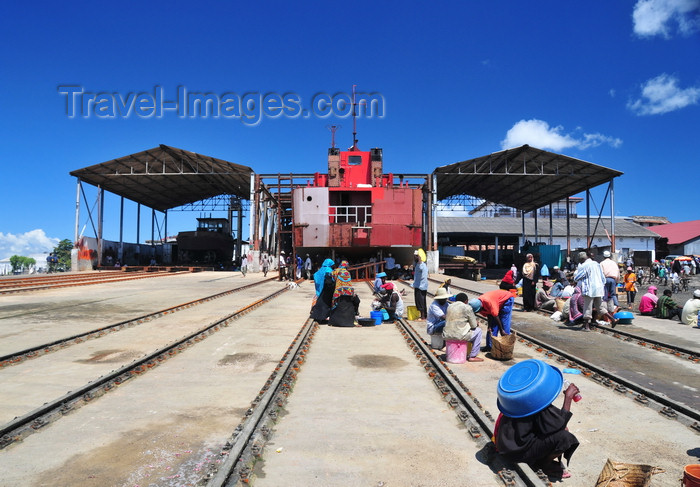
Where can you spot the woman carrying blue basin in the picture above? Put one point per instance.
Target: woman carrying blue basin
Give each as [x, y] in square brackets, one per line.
[530, 428]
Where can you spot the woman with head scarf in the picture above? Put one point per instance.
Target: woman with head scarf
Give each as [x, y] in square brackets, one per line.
[345, 306]
[323, 281]
[530, 276]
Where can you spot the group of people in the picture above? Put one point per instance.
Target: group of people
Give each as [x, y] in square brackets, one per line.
[336, 302]
[454, 318]
[665, 307]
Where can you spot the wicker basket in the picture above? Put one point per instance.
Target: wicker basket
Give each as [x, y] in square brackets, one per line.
[502, 346]
[619, 474]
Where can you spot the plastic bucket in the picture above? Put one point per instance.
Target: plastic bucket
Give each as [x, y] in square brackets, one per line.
[412, 313]
[378, 317]
[456, 351]
[437, 342]
[691, 476]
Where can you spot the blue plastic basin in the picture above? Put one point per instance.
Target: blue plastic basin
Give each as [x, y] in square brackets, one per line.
[528, 387]
[624, 317]
[378, 317]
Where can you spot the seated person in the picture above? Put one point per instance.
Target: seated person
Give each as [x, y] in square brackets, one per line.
[689, 315]
[647, 305]
[541, 439]
[379, 281]
[325, 286]
[437, 312]
[543, 300]
[391, 301]
[345, 304]
[575, 311]
[461, 325]
[666, 307]
[558, 288]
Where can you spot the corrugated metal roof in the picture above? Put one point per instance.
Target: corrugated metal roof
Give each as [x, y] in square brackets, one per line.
[167, 177]
[513, 227]
[678, 233]
[525, 178]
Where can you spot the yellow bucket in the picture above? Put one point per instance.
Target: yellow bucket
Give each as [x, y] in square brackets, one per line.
[412, 313]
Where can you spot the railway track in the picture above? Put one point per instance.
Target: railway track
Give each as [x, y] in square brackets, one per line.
[247, 446]
[12, 286]
[20, 356]
[686, 414]
[33, 421]
[626, 336]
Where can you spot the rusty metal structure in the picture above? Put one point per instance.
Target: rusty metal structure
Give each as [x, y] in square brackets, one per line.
[354, 209]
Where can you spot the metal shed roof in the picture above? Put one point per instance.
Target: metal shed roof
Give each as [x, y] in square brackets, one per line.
[525, 178]
[508, 226]
[167, 177]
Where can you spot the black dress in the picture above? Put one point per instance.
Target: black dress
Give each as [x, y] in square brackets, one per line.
[534, 438]
[322, 309]
[344, 313]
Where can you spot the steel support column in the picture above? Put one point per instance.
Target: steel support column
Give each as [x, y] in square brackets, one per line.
[100, 218]
[612, 215]
[121, 231]
[77, 212]
[588, 219]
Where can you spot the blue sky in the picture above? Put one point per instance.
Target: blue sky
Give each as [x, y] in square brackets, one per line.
[613, 83]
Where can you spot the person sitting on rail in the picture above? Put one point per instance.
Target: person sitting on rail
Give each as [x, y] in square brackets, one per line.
[647, 305]
[689, 315]
[461, 325]
[540, 439]
[325, 285]
[437, 312]
[346, 304]
[543, 300]
[558, 288]
[379, 281]
[508, 281]
[558, 274]
[573, 308]
[391, 301]
[666, 307]
[497, 307]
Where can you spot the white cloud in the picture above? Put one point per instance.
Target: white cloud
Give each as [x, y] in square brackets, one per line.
[538, 133]
[659, 17]
[32, 242]
[662, 95]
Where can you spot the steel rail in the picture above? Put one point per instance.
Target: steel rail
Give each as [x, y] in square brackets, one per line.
[668, 407]
[23, 426]
[657, 345]
[87, 282]
[15, 358]
[479, 423]
[246, 444]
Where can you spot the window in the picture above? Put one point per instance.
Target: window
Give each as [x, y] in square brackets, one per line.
[354, 160]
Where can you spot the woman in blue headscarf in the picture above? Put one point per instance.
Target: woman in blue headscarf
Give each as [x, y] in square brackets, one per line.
[325, 286]
[320, 275]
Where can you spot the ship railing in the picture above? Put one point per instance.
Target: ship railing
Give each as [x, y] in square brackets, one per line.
[361, 214]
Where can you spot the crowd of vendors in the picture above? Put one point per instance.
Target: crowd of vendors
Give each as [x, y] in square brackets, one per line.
[604, 291]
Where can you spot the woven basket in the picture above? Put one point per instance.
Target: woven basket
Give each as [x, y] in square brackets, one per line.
[502, 346]
[619, 474]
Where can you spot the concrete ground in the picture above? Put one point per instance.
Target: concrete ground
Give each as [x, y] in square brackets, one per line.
[363, 412]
